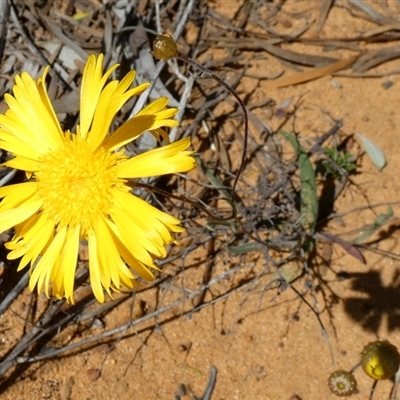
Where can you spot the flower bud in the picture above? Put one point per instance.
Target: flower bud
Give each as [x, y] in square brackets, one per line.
[164, 47]
[380, 360]
[342, 383]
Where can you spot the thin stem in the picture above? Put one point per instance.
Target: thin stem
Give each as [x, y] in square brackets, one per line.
[396, 385]
[245, 117]
[355, 367]
[371, 393]
[184, 199]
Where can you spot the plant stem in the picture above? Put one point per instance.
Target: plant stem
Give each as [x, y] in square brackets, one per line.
[245, 117]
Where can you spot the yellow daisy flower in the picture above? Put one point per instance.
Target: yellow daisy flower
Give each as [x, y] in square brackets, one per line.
[77, 187]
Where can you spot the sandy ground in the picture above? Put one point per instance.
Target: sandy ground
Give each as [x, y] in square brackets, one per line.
[271, 346]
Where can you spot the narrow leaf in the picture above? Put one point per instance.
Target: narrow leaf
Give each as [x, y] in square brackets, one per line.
[352, 250]
[311, 74]
[308, 190]
[244, 248]
[215, 181]
[380, 221]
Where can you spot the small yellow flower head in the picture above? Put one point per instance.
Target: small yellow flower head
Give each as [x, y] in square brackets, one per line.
[164, 47]
[342, 383]
[77, 188]
[380, 360]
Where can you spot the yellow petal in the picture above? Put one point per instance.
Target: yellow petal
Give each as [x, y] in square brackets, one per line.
[110, 102]
[113, 270]
[35, 246]
[22, 163]
[132, 236]
[47, 103]
[145, 215]
[146, 236]
[10, 218]
[107, 255]
[30, 110]
[158, 123]
[160, 134]
[154, 107]
[168, 159]
[129, 131]
[94, 267]
[27, 233]
[165, 114]
[16, 146]
[42, 272]
[63, 275]
[16, 194]
[92, 84]
[128, 256]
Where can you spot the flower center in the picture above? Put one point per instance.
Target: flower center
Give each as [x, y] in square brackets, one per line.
[75, 183]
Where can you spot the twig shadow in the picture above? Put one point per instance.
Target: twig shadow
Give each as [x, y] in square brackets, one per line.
[376, 301]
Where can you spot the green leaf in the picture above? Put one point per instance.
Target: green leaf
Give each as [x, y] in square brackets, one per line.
[308, 189]
[216, 182]
[381, 220]
[374, 152]
[244, 248]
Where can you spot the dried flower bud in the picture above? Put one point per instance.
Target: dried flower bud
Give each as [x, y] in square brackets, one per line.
[342, 383]
[380, 359]
[164, 47]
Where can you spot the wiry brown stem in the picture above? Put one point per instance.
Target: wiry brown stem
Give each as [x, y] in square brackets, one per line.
[245, 116]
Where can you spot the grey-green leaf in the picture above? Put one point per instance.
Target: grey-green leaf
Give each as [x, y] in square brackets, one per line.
[374, 152]
[308, 191]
